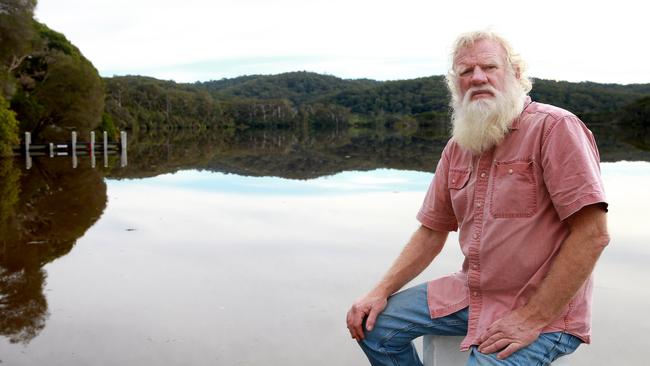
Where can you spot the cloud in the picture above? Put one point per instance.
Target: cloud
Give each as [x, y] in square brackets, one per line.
[353, 39]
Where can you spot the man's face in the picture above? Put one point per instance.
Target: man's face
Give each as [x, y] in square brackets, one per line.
[486, 98]
[480, 67]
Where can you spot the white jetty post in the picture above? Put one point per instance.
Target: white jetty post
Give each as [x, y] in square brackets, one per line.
[28, 157]
[51, 149]
[123, 161]
[28, 141]
[92, 149]
[105, 145]
[444, 351]
[74, 149]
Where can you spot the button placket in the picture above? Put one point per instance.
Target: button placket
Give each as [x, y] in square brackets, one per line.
[474, 273]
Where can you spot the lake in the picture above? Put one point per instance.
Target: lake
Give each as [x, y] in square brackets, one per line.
[247, 248]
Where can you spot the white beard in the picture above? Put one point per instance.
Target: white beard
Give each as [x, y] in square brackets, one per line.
[480, 124]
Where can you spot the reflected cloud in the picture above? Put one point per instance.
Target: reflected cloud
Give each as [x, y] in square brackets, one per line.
[348, 181]
[625, 187]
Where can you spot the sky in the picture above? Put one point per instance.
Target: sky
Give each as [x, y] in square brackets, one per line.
[200, 40]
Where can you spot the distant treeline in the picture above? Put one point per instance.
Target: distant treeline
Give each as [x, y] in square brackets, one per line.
[295, 98]
[49, 88]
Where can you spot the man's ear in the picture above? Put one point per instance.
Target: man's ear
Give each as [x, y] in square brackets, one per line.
[517, 73]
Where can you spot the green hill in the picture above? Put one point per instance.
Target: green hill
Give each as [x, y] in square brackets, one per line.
[306, 98]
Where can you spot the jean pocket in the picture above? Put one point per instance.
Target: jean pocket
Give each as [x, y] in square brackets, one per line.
[514, 193]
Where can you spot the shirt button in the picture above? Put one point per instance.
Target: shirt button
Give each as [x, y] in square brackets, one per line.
[509, 171]
[475, 236]
[475, 293]
[453, 180]
[479, 205]
[483, 175]
[474, 266]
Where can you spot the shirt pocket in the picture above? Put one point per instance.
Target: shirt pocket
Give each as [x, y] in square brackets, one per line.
[514, 193]
[457, 181]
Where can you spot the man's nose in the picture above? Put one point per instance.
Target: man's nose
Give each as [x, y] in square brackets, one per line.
[478, 76]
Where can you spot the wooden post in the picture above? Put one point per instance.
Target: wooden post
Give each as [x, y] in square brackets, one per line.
[28, 157]
[92, 149]
[105, 150]
[74, 149]
[51, 150]
[123, 161]
[28, 141]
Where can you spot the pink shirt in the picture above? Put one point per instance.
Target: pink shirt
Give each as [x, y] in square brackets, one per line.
[510, 204]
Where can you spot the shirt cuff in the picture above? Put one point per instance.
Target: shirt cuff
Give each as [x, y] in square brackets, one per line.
[565, 211]
[437, 223]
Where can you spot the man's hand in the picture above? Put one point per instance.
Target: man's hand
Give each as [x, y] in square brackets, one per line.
[370, 306]
[510, 334]
[424, 245]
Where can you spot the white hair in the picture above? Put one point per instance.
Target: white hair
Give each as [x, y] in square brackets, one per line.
[514, 62]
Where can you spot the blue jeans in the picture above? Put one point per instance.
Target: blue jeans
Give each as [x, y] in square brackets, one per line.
[407, 317]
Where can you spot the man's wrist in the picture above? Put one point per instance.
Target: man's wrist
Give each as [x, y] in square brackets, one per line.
[540, 316]
[380, 291]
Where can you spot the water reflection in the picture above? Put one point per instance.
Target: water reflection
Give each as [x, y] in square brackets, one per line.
[197, 265]
[74, 150]
[43, 213]
[301, 153]
[307, 153]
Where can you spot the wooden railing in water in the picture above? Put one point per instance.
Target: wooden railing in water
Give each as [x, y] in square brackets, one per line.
[74, 148]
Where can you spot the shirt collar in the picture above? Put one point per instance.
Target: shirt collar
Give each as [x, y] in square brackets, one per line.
[515, 123]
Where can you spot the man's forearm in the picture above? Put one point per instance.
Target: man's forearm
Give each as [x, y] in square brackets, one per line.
[422, 248]
[572, 266]
[425, 244]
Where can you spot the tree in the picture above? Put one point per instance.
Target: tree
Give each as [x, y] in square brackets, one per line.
[59, 89]
[16, 31]
[635, 118]
[8, 128]
[72, 94]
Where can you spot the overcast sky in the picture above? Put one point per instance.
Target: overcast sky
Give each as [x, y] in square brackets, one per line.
[190, 40]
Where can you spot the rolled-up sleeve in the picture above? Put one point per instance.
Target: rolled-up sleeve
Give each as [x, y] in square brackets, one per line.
[437, 212]
[571, 161]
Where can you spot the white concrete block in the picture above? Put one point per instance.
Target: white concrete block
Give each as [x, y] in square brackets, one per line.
[444, 351]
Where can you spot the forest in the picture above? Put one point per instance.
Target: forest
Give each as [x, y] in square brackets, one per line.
[47, 87]
[295, 98]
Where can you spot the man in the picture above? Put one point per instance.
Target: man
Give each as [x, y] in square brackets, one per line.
[520, 180]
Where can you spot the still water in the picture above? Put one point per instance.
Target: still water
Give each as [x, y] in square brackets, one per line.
[203, 263]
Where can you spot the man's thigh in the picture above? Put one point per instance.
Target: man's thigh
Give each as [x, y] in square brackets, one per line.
[407, 317]
[547, 348]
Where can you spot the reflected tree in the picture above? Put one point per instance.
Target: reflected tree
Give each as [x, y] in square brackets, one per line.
[53, 206]
[635, 120]
[304, 152]
[22, 303]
